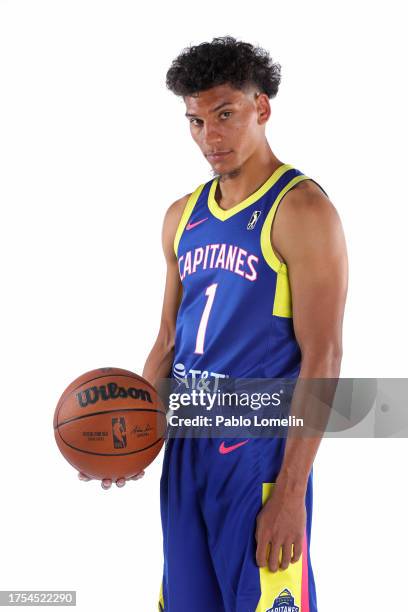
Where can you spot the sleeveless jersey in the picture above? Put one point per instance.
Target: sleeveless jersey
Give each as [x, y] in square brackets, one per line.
[235, 315]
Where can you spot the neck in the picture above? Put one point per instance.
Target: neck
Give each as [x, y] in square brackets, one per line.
[236, 186]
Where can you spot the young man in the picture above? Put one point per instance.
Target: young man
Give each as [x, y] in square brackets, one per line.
[251, 291]
[256, 286]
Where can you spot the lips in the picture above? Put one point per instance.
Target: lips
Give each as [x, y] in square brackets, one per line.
[218, 155]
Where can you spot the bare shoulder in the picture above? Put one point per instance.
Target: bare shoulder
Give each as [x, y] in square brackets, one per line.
[304, 206]
[304, 217]
[306, 199]
[175, 210]
[171, 221]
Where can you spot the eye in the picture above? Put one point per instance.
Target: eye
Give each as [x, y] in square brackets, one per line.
[226, 113]
[195, 119]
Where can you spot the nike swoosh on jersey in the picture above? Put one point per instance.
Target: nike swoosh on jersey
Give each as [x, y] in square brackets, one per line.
[191, 225]
[228, 449]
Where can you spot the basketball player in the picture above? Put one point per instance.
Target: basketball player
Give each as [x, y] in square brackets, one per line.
[255, 288]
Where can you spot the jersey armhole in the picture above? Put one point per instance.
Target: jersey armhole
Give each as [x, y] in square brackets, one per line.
[282, 306]
[266, 243]
[188, 209]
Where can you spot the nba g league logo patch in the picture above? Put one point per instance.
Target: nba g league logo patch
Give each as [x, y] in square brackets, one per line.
[284, 603]
[254, 218]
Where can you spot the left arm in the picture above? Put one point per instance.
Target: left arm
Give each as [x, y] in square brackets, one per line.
[307, 235]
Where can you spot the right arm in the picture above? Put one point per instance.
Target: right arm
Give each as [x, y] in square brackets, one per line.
[159, 361]
[160, 358]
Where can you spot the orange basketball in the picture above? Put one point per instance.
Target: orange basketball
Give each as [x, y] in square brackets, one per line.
[110, 423]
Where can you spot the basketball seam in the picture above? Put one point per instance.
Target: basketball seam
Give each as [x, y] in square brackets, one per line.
[83, 416]
[108, 454]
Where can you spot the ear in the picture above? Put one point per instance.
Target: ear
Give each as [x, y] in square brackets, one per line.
[263, 107]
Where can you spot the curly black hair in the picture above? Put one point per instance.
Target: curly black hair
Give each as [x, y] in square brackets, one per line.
[223, 60]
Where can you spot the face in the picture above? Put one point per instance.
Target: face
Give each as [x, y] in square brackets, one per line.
[227, 124]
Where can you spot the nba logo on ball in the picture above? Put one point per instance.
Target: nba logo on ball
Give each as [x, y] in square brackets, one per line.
[284, 603]
[119, 432]
[253, 219]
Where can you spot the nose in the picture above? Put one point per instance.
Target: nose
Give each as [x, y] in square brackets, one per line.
[211, 134]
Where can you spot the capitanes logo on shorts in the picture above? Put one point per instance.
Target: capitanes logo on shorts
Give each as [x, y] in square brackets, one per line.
[92, 395]
[285, 602]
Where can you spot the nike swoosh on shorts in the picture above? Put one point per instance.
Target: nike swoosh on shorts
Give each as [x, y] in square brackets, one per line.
[228, 449]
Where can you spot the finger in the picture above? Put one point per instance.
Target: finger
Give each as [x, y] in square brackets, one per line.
[83, 477]
[137, 476]
[106, 483]
[297, 551]
[274, 556]
[120, 482]
[262, 552]
[286, 555]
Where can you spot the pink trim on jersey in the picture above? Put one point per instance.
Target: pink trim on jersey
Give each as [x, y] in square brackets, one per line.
[305, 577]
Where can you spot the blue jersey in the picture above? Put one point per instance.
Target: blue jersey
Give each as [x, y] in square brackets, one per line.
[234, 321]
[235, 317]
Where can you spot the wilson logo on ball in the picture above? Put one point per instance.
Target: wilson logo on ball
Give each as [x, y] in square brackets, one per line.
[92, 395]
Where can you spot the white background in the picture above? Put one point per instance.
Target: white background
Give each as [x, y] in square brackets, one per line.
[93, 149]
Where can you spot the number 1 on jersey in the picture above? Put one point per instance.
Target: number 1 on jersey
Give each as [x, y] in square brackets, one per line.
[210, 293]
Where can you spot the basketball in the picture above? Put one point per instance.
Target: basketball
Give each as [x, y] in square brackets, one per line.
[110, 423]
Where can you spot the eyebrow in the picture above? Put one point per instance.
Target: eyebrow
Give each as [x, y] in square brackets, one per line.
[213, 110]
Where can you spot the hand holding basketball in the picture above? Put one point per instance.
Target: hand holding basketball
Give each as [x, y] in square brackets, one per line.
[106, 483]
[110, 424]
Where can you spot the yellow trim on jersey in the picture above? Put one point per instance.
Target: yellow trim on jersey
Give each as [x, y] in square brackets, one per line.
[266, 244]
[161, 600]
[273, 583]
[282, 306]
[188, 209]
[223, 215]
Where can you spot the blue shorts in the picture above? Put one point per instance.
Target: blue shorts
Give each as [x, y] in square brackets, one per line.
[211, 491]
